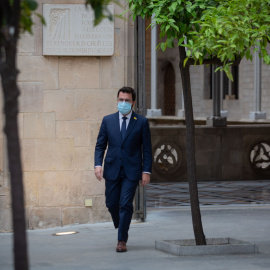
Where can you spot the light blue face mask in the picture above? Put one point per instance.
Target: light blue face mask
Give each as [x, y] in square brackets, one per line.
[124, 107]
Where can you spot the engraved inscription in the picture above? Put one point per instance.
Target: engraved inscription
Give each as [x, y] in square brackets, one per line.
[70, 31]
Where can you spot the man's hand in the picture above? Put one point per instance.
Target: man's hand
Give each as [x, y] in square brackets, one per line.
[99, 173]
[145, 179]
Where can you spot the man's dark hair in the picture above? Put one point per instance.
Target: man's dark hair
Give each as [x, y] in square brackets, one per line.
[128, 90]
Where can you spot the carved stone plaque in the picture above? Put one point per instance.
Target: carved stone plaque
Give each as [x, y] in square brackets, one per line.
[260, 156]
[167, 157]
[70, 30]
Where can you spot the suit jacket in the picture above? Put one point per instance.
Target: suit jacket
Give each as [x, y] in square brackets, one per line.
[134, 153]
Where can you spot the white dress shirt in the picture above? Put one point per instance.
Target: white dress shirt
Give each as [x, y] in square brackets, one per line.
[127, 120]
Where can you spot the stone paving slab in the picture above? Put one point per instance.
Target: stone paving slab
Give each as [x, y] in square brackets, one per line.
[215, 246]
[169, 194]
[93, 248]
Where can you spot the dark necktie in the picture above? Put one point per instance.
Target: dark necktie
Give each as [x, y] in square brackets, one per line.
[123, 128]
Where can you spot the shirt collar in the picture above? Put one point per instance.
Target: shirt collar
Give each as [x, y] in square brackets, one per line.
[127, 116]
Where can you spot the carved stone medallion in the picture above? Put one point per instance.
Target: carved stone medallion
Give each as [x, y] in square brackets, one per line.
[167, 157]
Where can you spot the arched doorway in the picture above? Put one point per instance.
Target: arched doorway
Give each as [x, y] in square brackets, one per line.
[169, 90]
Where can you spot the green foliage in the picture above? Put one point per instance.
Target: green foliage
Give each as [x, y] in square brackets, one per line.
[174, 17]
[28, 8]
[213, 29]
[231, 30]
[100, 9]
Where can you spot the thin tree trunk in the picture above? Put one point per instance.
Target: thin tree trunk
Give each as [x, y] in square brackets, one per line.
[9, 74]
[191, 160]
[11, 93]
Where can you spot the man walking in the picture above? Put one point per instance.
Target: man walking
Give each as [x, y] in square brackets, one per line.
[128, 160]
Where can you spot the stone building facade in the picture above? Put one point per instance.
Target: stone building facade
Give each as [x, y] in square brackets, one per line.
[63, 100]
[238, 108]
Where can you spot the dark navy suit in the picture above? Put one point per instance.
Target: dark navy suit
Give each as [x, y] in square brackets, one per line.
[123, 165]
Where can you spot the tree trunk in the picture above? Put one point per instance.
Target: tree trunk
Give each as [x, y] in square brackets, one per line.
[190, 152]
[9, 74]
[11, 93]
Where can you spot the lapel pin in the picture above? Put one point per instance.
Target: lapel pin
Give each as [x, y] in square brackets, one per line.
[135, 118]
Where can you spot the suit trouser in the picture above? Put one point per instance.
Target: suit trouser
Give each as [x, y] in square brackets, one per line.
[119, 201]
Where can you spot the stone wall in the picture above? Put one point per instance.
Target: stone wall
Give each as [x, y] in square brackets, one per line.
[222, 154]
[62, 103]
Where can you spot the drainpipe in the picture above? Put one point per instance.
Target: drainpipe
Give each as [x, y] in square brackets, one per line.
[140, 65]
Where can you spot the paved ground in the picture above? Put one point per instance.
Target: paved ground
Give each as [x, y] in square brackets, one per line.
[169, 194]
[94, 246]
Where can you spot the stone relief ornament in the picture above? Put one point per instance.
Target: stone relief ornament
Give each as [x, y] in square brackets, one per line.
[59, 24]
[167, 157]
[260, 156]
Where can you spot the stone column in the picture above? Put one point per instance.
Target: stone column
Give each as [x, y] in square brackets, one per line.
[216, 120]
[216, 93]
[257, 114]
[181, 113]
[222, 112]
[153, 111]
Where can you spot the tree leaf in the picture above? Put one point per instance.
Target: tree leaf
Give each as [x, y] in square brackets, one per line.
[196, 54]
[173, 6]
[180, 41]
[185, 61]
[31, 4]
[163, 46]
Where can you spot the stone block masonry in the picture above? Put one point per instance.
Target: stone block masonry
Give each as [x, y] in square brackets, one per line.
[63, 100]
[222, 154]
